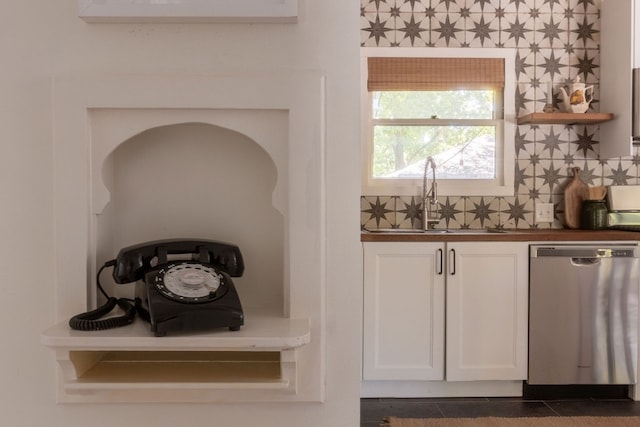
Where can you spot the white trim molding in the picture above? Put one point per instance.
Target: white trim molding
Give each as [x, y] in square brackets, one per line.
[188, 11]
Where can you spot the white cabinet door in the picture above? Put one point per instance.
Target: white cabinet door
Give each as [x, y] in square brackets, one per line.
[403, 311]
[487, 311]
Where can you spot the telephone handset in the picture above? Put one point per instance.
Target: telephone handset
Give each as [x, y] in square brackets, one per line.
[132, 262]
[180, 285]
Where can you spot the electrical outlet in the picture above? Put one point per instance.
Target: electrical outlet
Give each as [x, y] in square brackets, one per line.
[544, 212]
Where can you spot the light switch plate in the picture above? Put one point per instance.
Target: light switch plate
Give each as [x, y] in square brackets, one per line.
[544, 212]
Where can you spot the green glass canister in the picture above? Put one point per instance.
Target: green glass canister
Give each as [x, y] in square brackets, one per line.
[593, 215]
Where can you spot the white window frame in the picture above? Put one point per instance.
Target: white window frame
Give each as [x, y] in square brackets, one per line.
[503, 185]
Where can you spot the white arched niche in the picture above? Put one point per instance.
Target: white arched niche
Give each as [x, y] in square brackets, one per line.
[202, 181]
[100, 120]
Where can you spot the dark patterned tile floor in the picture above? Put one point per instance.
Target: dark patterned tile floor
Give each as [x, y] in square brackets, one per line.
[373, 410]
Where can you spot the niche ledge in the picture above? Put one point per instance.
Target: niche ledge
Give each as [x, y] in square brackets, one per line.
[257, 363]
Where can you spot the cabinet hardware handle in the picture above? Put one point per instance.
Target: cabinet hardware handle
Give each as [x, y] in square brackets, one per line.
[452, 261]
[439, 260]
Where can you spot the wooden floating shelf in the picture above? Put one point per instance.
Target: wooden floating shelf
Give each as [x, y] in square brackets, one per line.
[564, 118]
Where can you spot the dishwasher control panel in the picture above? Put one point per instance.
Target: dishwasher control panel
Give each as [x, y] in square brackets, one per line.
[623, 251]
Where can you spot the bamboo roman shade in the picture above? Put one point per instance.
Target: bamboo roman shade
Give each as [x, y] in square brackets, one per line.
[398, 73]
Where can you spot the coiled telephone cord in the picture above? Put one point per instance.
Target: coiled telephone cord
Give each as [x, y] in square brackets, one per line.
[92, 320]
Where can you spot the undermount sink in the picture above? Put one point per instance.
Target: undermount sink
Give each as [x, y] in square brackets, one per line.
[394, 230]
[436, 230]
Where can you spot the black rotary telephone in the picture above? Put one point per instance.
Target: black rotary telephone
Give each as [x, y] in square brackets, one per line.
[191, 294]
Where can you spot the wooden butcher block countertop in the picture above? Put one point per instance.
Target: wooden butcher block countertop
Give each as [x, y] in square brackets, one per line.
[532, 235]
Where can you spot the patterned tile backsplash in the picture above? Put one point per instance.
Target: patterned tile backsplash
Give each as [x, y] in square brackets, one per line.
[555, 40]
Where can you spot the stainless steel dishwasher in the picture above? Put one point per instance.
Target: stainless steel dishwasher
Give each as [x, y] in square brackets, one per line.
[583, 314]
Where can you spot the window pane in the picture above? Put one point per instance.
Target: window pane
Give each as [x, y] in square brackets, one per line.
[455, 104]
[460, 152]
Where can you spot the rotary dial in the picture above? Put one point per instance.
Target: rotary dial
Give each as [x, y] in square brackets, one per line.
[189, 282]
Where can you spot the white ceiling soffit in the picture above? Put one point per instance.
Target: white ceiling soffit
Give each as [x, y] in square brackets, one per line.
[189, 11]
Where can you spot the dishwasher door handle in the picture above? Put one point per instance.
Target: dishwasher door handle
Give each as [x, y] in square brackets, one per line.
[578, 262]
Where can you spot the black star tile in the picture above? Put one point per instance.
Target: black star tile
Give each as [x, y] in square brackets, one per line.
[521, 177]
[535, 159]
[430, 12]
[523, 99]
[378, 211]
[586, 66]
[524, 62]
[534, 47]
[525, 138]
[515, 33]
[553, 31]
[535, 82]
[519, 141]
[585, 142]
[551, 142]
[585, 32]
[410, 208]
[377, 29]
[481, 212]
[482, 31]
[588, 175]
[551, 65]
[515, 212]
[412, 30]
[619, 175]
[569, 48]
[549, 175]
[569, 158]
[448, 211]
[447, 30]
[568, 12]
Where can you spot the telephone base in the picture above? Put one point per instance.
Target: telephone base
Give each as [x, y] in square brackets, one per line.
[168, 316]
[197, 321]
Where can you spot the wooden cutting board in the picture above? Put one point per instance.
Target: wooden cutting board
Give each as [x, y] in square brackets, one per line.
[574, 193]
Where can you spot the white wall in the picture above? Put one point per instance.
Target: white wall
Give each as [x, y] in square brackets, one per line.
[40, 39]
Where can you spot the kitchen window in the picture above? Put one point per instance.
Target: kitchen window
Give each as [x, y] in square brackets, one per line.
[455, 105]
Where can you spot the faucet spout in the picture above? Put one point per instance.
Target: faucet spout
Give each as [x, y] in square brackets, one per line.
[429, 196]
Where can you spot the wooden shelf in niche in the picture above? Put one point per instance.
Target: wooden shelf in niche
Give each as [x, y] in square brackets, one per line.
[564, 118]
[257, 363]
